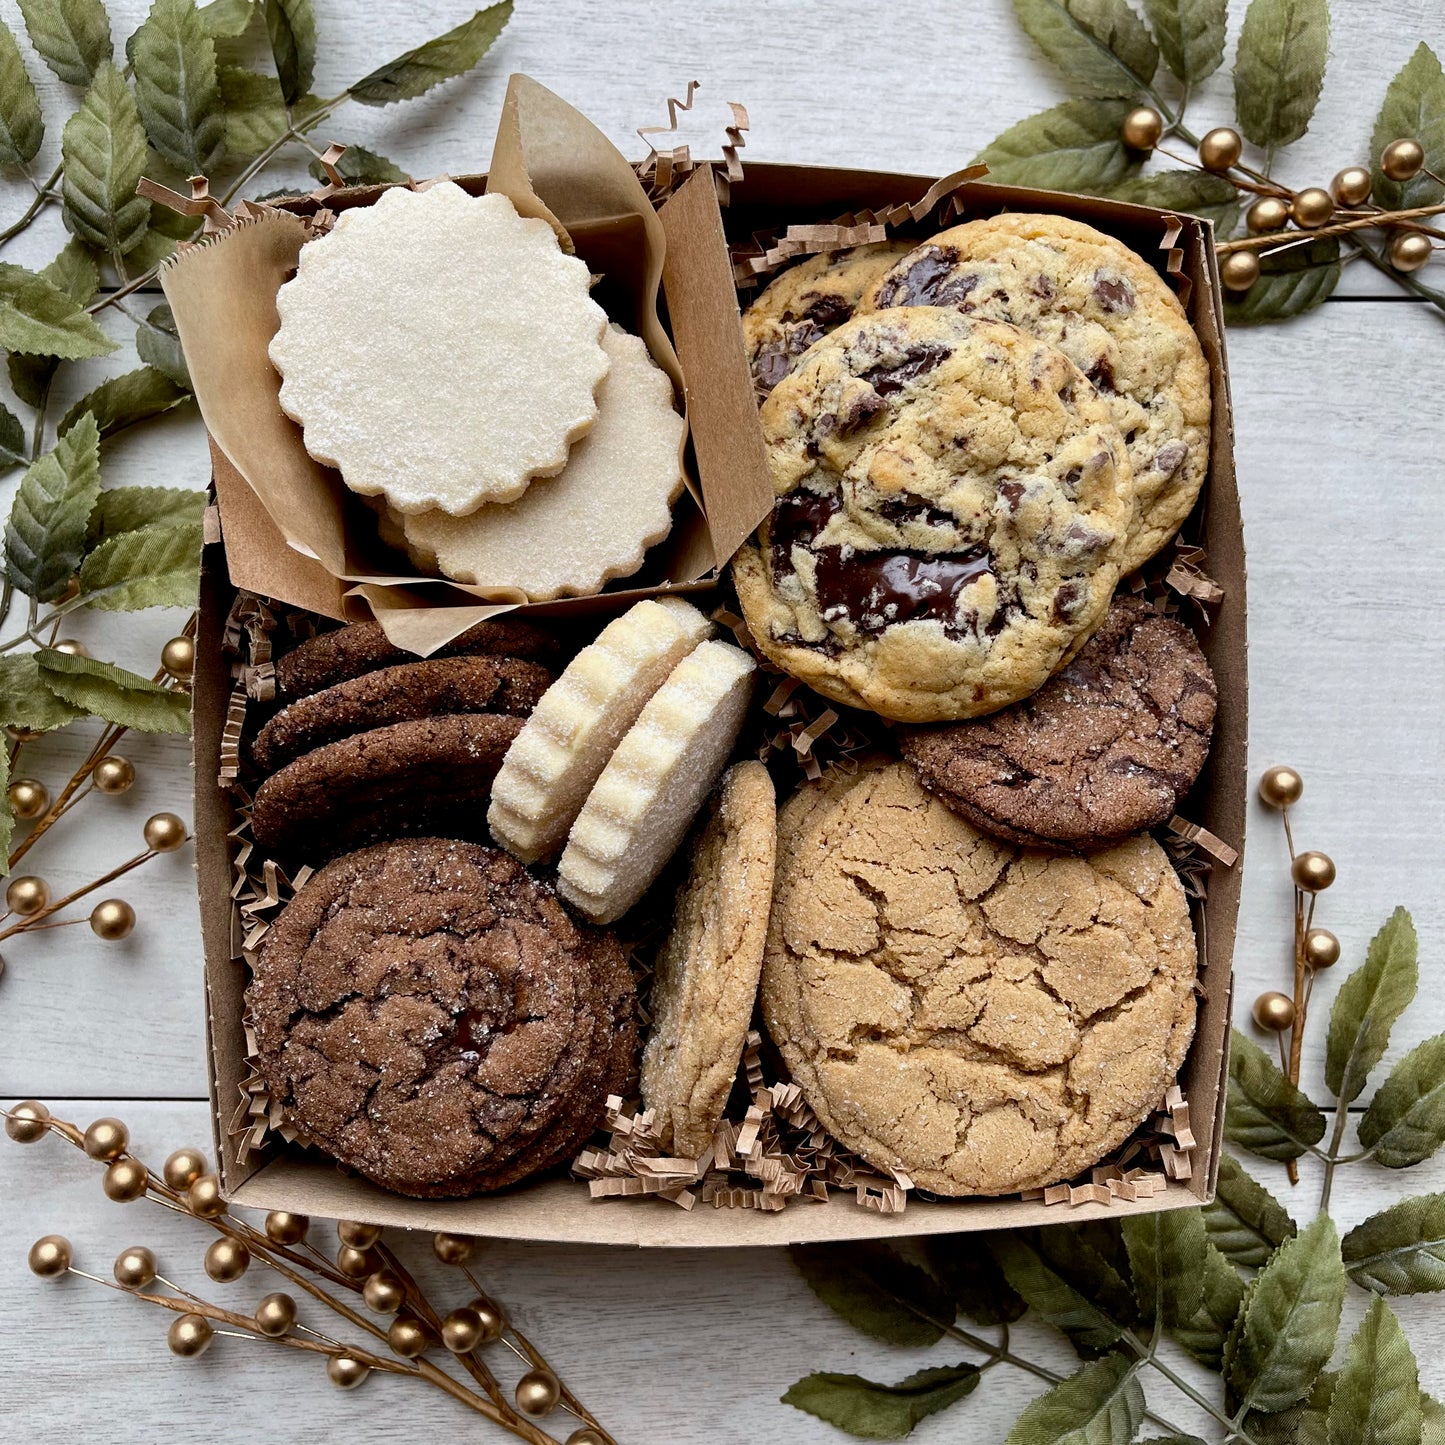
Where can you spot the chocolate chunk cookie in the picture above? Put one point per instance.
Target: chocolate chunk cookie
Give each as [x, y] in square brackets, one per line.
[806, 302]
[399, 694]
[1108, 746]
[432, 1017]
[985, 1018]
[1110, 313]
[361, 647]
[431, 775]
[952, 506]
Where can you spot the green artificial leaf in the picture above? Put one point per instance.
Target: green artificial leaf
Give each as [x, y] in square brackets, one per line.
[154, 247]
[1400, 1250]
[227, 19]
[1303, 1424]
[1101, 1403]
[104, 690]
[75, 272]
[877, 1291]
[1293, 280]
[1246, 1223]
[1434, 1416]
[1279, 68]
[1072, 147]
[1286, 1328]
[291, 26]
[158, 344]
[21, 128]
[128, 509]
[971, 1274]
[869, 1411]
[1405, 1123]
[37, 318]
[1222, 1293]
[1367, 1005]
[176, 87]
[1267, 1114]
[1376, 1397]
[255, 111]
[26, 701]
[103, 149]
[13, 449]
[1166, 1257]
[1069, 1283]
[1102, 46]
[7, 813]
[361, 167]
[1414, 108]
[154, 567]
[1196, 192]
[71, 36]
[449, 55]
[1190, 34]
[124, 400]
[45, 535]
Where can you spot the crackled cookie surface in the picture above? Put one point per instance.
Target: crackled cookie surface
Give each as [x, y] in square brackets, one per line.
[985, 1018]
[1110, 313]
[953, 501]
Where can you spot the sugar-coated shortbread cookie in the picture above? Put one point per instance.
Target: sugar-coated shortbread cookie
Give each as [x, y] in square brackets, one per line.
[953, 502]
[593, 521]
[655, 782]
[706, 976]
[572, 732]
[1110, 313]
[439, 349]
[984, 1018]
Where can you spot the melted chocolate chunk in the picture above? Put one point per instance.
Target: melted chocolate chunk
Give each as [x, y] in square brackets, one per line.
[1170, 457]
[874, 590]
[775, 360]
[828, 311]
[797, 519]
[906, 507]
[889, 377]
[1041, 287]
[929, 281]
[1113, 294]
[1101, 373]
[1068, 599]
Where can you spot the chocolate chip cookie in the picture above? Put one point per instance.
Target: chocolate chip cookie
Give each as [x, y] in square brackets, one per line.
[953, 501]
[1110, 313]
[806, 302]
[433, 1018]
[984, 1018]
[1108, 746]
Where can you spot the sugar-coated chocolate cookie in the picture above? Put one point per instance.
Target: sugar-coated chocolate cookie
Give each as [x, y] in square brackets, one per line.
[430, 1015]
[399, 694]
[1110, 313]
[985, 1018]
[953, 502]
[431, 775]
[1108, 746]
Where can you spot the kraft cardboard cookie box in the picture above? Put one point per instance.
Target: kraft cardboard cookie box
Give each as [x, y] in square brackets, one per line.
[553, 163]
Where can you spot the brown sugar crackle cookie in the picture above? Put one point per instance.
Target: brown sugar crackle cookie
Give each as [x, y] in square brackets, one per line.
[1108, 746]
[952, 507]
[1110, 313]
[430, 1016]
[399, 694]
[983, 1018]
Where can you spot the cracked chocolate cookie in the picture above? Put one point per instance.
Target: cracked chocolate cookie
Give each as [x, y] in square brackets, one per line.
[952, 506]
[984, 1018]
[1110, 313]
[1106, 747]
[431, 1016]
[806, 302]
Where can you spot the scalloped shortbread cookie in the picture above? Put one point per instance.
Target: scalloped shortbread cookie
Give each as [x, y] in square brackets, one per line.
[439, 349]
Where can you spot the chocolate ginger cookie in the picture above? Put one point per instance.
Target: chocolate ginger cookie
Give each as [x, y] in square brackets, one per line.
[1108, 746]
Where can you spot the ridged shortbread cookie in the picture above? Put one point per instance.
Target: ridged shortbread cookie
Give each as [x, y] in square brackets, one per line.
[655, 782]
[706, 976]
[439, 349]
[557, 757]
[610, 503]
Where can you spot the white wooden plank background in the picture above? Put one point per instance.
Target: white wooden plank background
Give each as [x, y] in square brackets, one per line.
[1339, 446]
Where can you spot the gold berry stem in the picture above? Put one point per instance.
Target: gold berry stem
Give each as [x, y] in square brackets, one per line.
[1338, 228]
[568, 1399]
[108, 739]
[50, 908]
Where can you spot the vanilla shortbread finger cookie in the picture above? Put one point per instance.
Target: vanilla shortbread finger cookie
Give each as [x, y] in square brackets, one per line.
[564, 746]
[706, 976]
[439, 349]
[610, 502]
[652, 787]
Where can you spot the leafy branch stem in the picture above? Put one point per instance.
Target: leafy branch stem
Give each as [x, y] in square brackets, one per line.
[1147, 1356]
[1332, 1159]
[43, 195]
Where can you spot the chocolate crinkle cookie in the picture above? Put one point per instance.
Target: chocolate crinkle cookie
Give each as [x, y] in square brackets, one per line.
[431, 1016]
[1107, 747]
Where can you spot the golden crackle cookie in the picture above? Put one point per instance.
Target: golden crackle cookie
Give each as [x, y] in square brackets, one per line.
[706, 976]
[983, 1017]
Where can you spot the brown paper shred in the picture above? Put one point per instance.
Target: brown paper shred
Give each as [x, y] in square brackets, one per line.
[1199, 837]
[211, 525]
[1174, 259]
[200, 202]
[662, 169]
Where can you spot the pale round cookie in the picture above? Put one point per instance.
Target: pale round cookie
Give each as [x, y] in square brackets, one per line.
[952, 506]
[806, 302]
[982, 1017]
[611, 501]
[1110, 313]
[439, 349]
[706, 976]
